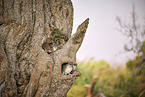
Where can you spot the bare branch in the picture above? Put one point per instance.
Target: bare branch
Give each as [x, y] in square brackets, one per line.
[133, 32]
[75, 41]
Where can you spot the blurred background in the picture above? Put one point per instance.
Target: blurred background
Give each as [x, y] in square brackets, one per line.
[103, 40]
[113, 47]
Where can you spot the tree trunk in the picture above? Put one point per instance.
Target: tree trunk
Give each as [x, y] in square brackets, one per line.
[35, 44]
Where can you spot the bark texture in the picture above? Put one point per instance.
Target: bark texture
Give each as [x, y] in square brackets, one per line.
[35, 40]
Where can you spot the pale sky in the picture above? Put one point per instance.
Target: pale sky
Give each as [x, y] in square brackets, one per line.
[102, 39]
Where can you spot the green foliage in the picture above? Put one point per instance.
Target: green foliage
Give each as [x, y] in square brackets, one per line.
[112, 82]
[138, 61]
[137, 68]
[143, 48]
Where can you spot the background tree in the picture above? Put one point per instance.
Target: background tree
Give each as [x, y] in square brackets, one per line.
[133, 31]
[135, 34]
[35, 43]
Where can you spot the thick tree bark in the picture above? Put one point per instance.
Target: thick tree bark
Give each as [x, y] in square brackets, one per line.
[35, 42]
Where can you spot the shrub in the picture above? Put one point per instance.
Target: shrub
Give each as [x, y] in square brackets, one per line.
[112, 82]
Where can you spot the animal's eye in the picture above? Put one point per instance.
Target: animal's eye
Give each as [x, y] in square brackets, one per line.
[65, 66]
[68, 68]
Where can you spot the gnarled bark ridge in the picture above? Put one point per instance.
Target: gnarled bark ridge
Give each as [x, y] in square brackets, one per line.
[35, 40]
